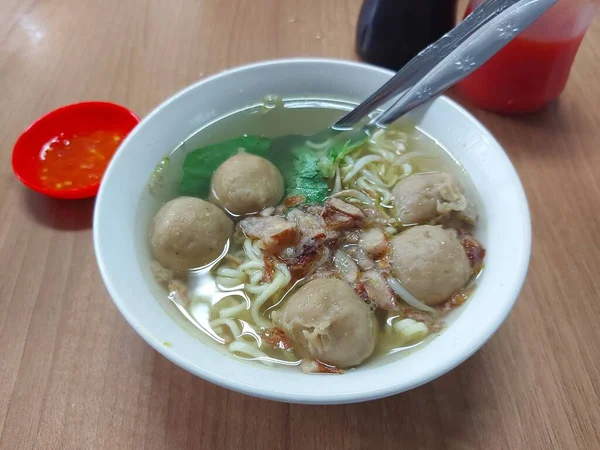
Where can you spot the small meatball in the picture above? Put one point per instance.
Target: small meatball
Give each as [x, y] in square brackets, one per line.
[430, 262]
[246, 184]
[328, 322]
[188, 232]
[423, 197]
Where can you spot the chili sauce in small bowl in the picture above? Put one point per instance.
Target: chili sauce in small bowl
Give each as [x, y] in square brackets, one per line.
[65, 153]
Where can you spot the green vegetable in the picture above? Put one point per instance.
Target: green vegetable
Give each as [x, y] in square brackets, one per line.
[305, 173]
[200, 164]
[336, 153]
[303, 176]
[326, 167]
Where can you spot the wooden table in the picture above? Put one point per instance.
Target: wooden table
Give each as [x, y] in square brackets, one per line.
[74, 375]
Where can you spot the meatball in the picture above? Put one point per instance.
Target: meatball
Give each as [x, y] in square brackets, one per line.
[188, 232]
[246, 184]
[328, 321]
[425, 196]
[430, 262]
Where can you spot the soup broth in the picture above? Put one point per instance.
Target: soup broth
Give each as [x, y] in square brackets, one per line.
[239, 299]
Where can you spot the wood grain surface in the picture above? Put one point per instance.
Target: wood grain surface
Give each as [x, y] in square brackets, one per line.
[74, 375]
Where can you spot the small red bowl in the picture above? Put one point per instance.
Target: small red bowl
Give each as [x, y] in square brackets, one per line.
[78, 118]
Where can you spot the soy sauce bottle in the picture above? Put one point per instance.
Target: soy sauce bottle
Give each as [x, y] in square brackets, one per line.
[390, 32]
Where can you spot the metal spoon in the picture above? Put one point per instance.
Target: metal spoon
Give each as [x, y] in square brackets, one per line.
[438, 67]
[426, 60]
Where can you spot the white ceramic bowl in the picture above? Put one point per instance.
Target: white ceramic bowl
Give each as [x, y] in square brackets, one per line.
[120, 234]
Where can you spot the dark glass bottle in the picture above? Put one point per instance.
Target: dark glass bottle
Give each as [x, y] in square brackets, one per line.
[390, 32]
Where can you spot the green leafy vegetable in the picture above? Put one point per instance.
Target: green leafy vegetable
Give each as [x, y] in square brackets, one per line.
[303, 177]
[326, 167]
[200, 164]
[336, 153]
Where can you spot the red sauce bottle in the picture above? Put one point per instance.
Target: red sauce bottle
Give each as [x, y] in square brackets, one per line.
[533, 69]
[391, 32]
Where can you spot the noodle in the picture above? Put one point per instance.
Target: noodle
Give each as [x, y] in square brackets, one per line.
[253, 289]
[256, 277]
[337, 185]
[408, 156]
[386, 196]
[355, 193]
[231, 273]
[370, 171]
[281, 280]
[229, 323]
[233, 310]
[358, 165]
[252, 270]
[257, 250]
[370, 176]
[254, 264]
[229, 283]
[246, 348]
[387, 155]
[391, 140]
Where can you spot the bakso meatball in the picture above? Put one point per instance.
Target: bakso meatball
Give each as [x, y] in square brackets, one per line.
[430, 262]
[188, 232]
[422, 197]
[246, 184]
[328, 321]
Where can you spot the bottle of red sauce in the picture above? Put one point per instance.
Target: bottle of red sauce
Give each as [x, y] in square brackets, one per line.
[532, 70]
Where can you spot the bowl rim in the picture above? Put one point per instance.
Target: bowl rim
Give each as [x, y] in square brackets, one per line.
[333, 398]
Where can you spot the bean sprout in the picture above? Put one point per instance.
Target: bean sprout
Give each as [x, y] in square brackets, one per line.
[358, 165]
[408, 297]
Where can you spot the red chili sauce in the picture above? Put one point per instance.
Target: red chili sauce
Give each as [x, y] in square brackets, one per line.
[523, 77]
[77, 161]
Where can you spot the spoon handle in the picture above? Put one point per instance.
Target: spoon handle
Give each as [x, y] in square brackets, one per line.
[426, 60]
[468, 56]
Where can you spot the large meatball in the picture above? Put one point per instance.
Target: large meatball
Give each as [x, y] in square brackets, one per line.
[424, 196]
[430, 262]
[328, 321]
[246, 184]
[188, 232]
